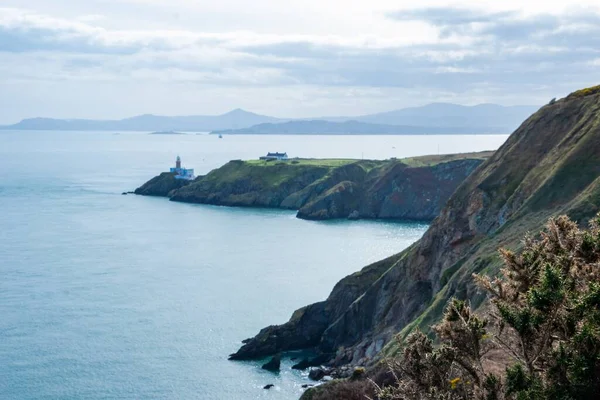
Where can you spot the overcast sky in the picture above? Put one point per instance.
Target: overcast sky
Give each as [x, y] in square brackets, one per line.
[288, 58]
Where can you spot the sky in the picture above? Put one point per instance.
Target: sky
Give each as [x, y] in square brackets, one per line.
[110, 59]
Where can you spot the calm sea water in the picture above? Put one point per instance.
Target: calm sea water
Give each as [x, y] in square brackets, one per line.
[109, 296]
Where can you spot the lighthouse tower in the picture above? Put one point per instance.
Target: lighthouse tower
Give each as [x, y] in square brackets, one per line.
[182, 173]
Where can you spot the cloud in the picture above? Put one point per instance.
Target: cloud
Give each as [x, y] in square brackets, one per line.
[506, 26]
[462, 52]
[448, 16]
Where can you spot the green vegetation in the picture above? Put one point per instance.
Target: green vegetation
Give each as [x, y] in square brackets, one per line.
[585, 92]
[315, 162]
[266, 173]
[275, 172]
[430, 160]
[544, 325]
[413, 162]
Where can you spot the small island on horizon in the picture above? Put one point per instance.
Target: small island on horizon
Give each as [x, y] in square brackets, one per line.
[167, 133]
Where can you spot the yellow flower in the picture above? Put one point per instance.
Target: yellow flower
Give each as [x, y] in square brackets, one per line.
[454, 382]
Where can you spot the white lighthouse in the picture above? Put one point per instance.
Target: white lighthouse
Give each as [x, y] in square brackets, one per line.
[182, 173]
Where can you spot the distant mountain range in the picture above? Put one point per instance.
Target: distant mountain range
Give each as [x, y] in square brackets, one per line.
[196, 123]
[316, 127]
[436, 118]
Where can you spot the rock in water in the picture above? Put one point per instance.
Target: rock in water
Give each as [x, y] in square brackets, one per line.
[269, 386]
[274, 364]
[354, 215]
[313, 362]
[316, 374]
[303, 364]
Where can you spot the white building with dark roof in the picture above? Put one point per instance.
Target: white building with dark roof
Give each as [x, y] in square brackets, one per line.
[275, 156]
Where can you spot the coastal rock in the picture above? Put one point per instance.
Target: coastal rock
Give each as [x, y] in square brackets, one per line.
[336, 202]
[354, 215]
[246, 184]
[269, 386]
[161, 185]
[313, 362]
[417, 193]
[303, 330]
[303, 364]
[354, 172]
[316, 374]
[307, 325]
[395, 190]
[274, 364]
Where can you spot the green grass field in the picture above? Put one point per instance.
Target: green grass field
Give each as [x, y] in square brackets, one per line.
[427, 161]
[314, 162]
[421, 161]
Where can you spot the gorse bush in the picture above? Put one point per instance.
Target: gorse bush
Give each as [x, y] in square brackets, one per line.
[543, 323]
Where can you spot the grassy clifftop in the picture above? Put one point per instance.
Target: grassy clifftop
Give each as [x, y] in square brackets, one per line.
[414, 188]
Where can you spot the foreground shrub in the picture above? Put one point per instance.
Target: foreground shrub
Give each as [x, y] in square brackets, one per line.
[545, 318]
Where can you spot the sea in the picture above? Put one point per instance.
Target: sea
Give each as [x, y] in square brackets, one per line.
[106, 296]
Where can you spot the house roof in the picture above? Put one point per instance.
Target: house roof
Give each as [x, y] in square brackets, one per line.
[269, 154]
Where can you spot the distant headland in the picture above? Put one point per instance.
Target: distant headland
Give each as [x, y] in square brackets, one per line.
[319, 189]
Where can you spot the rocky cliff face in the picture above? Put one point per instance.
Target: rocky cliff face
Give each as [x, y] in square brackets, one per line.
[243, 184]
[395, 190]
[161, 185]
[550, 165]
[326, 189]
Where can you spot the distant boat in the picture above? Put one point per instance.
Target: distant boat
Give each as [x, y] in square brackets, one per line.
[220, 136]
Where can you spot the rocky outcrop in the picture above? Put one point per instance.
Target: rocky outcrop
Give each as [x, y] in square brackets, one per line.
[353, 172]
[307, 325]
[338, 202]
[327, 189]
[316, 374]
[394, 191]
[161, 185]
[274, 364]
[243, 184]
[548, 166]
[312, 362]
